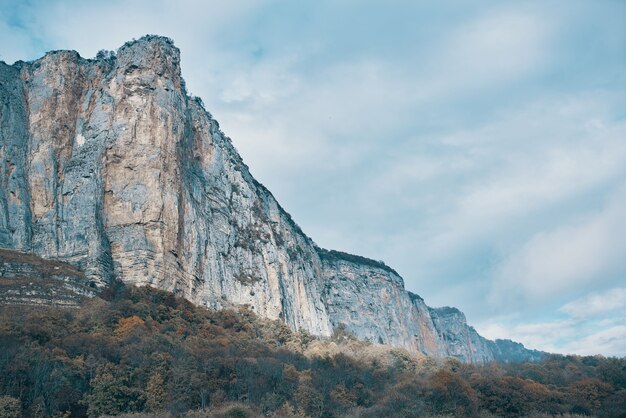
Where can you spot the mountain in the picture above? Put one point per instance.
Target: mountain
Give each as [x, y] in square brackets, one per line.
[109, 166]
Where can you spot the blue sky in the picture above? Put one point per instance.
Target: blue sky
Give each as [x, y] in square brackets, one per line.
[478, 147]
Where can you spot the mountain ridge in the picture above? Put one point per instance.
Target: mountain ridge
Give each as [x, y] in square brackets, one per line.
[110, 165]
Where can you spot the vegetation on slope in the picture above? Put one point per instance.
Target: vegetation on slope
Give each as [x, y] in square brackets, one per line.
[147, 352]
[334, 255]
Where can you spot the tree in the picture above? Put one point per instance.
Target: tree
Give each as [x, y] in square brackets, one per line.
[588, 394]
[156, 394]
[449, 394]
[307, 396]
[10, 407]
[128, 325]
[111, 394]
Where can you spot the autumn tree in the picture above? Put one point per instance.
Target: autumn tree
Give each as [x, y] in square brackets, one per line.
[111, 393]
[449, 394]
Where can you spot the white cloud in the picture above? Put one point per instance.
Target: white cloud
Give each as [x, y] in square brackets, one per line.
[497, 181]
[568, 336]
[597, 303]
[496, 47]
[542, 335]
[596, 325]
[111, 24]
[566, 257]
[610, 342]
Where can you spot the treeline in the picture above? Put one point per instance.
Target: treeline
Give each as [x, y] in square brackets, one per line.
[147, 352]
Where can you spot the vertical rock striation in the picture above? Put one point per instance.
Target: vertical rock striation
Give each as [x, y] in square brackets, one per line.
[368, 298]
[108, 164]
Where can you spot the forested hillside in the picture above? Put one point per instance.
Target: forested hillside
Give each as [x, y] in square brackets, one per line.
[146, 351]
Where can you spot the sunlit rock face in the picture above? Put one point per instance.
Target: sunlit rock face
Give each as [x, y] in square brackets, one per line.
[368, 299]
[109, 165]
[459, 339]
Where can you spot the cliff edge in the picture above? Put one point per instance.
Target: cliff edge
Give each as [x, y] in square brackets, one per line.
[109, 166]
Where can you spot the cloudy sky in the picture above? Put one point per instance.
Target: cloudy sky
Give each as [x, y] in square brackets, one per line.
[478, 147]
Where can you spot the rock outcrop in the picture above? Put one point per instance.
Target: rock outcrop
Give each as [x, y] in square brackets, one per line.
[512, 352]
[109, 165]
[369, 300]
[26, 279]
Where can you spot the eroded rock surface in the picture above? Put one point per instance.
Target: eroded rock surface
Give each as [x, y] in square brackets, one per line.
[108, 164]
[26, 279]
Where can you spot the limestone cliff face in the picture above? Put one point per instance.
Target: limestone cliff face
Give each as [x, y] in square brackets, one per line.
[369, 300]
[459, 339]
[108, 164]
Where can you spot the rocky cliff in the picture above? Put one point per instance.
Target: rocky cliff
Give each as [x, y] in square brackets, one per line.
[26, 279]
[109, 165]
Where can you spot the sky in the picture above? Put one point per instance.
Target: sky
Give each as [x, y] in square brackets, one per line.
[478, 147]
